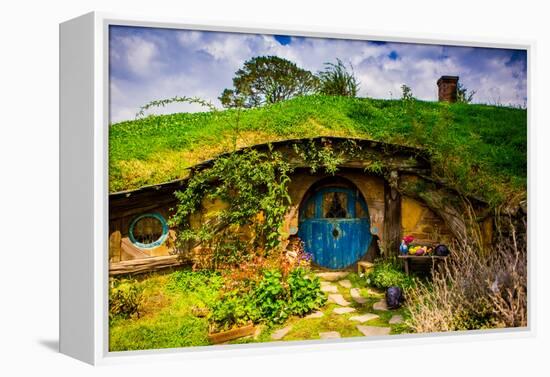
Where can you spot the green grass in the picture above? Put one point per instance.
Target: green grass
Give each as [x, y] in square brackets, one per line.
[477, 147]
[167, 321]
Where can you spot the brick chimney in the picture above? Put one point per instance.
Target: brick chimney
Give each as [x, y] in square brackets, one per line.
[447, 88]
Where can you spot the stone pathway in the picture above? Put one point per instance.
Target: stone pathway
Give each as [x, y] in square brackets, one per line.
[279, 334]
[376, 293]
[380, 305]
[373, 330]
[330, 283]
[395, 319]
[317, 314]
[343, 310]
[356, 296]
[332, 276]
[345, 283]
[330, 335]
[364, 318]
[338, 299]
[328, 287]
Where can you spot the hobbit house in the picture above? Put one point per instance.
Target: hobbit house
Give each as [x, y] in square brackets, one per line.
[376, 194]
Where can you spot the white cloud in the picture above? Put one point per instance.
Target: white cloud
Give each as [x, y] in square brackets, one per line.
[137, 55]
[152, 64]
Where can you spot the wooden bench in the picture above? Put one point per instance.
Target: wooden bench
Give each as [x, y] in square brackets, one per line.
[407, 259]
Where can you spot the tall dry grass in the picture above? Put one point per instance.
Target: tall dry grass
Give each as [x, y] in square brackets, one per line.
[475, 289]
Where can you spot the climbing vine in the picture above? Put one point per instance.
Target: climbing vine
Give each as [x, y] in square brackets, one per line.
[251, 188]
[316, 157]
[328, 156]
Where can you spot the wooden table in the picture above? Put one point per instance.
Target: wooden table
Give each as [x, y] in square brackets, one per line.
[408, 258]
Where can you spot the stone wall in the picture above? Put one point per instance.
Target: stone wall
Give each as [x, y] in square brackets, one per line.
[422, 223]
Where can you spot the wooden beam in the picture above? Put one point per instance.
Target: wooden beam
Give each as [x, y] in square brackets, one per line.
[392, 216]
[139, 266]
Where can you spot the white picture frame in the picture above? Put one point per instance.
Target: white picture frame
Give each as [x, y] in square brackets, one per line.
[84, 118]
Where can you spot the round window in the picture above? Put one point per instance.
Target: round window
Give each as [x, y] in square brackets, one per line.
[148, 231]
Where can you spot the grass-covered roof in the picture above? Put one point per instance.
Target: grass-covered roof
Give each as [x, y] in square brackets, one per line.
[480, 150]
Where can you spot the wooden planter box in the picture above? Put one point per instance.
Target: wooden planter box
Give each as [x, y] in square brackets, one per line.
[225, 336]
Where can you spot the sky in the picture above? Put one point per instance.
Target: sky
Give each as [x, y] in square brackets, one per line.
[152, 63]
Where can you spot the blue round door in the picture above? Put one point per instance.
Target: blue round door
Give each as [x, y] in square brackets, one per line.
[335, 226]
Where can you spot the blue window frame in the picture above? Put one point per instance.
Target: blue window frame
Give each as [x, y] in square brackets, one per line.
[162, 224]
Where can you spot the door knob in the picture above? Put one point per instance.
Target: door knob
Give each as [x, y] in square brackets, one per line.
[335, 232]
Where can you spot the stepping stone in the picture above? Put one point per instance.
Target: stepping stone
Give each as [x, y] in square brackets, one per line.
[396, 319]
[328, 288]
[279, 334]
[345, 283]
[373, 330]
[356, 296]
[343, 310]
[338, 299]
[332, 276]
[364, 318]
[317, 314]
[380, 305]
[374, 292]
[330, 335]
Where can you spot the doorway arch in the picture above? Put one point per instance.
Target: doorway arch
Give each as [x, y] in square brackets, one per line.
[334, 223]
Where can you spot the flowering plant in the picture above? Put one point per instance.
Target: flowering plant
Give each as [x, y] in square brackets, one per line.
[408, 239]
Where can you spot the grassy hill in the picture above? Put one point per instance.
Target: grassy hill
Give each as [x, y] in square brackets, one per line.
[479, 149]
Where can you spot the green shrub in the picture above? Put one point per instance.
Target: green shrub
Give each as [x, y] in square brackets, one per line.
[336, 80]
[125, 298]
[276, 299]
[271, 298]
[232, 309]
[305, 292]
[388, 273]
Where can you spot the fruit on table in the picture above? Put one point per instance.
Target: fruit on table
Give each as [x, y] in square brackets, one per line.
[413, 250]
[419, 250]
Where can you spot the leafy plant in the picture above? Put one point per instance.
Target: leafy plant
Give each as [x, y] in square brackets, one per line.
[336, 80]
[271, 298]
[388, 273]
[406, 93]
[463, 95]
[125, 298]
[232, 309]
[319, 157]
[253, 185]
[305, 292]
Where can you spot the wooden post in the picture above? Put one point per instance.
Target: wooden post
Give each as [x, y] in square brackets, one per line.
[392, 216]
[115, 241]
